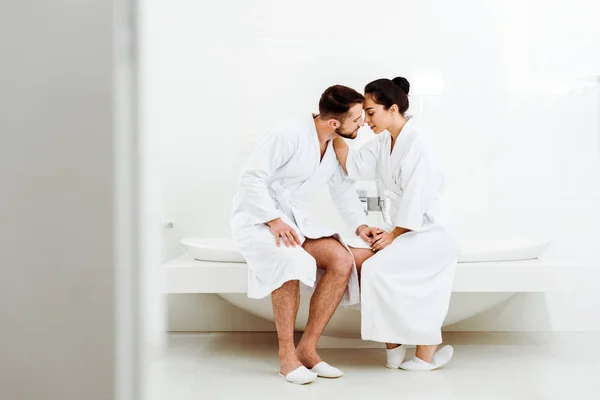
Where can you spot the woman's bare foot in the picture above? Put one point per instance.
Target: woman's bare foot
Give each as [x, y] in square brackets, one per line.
[426, 353]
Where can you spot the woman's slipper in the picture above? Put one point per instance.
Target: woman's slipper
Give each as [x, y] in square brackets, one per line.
[395, 356]
[440, 359]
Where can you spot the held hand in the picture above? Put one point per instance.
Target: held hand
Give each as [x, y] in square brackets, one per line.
[282, 230]
[368, 233]
[382, 240]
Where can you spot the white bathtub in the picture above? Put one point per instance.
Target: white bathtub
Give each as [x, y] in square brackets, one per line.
[488, 273]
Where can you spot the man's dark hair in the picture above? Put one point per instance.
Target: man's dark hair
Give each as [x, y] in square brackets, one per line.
[336, 101]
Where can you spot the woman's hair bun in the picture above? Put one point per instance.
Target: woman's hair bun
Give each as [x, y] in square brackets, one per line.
[403, 83]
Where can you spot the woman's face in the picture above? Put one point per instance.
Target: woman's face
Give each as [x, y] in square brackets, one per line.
[376, 116]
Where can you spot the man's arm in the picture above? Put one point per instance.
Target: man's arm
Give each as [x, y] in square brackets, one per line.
[345, 197]
[276, 150]
[273, 152]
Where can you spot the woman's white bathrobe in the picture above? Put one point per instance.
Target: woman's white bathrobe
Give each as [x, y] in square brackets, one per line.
[406, 287]
[282, 174]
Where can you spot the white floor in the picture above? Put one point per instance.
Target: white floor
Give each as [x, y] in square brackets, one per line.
[244, 365]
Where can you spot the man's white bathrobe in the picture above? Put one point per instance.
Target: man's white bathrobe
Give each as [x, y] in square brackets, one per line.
[406, 287]
[282, 174]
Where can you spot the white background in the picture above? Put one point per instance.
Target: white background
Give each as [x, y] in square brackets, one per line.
[505, 89]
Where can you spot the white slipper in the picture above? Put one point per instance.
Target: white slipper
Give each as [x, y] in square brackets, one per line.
[395, 356]
[325, 370]
[300, 376]
[440, 359]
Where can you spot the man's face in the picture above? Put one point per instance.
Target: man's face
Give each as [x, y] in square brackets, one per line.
[349, 127]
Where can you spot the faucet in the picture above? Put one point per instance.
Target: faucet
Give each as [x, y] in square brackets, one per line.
[362, 196]
[371, 203]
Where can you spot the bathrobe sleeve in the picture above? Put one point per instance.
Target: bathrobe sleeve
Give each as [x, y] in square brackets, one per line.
[345, 197]
[362, 163]
[416, 185]
[272, 153]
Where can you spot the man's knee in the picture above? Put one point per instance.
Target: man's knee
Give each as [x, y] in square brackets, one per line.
[343, 263]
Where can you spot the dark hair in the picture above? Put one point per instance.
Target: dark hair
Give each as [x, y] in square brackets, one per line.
[388, 92]
[336, 102]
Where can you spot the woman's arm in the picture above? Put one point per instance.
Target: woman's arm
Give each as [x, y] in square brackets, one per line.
[341, 151]
[359, 164]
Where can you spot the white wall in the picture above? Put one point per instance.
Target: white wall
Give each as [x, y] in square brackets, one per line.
[56, 207]
[497, 86]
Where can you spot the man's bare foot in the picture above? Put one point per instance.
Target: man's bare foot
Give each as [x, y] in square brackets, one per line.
[288, 362]
[308, 357]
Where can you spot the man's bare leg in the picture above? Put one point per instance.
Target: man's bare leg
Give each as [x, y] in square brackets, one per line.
[337, 262]
[286, 300]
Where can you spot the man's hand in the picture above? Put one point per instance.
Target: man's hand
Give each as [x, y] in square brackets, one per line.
[282, 230]
[368, 233]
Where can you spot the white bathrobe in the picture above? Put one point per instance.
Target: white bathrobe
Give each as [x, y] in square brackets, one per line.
[406, 287]
[278, 182]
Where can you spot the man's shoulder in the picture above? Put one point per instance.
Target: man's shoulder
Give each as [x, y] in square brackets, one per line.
[292, 128]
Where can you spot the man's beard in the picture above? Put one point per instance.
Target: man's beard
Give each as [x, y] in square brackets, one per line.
[346, 135]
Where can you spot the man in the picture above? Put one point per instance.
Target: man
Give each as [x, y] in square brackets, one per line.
[282, 246]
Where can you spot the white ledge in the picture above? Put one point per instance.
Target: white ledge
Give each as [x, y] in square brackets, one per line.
[187, 275]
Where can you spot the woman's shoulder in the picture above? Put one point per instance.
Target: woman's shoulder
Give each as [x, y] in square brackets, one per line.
[416, 135]
[374, 143]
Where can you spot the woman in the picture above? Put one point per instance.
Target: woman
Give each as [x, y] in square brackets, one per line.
[408, 273]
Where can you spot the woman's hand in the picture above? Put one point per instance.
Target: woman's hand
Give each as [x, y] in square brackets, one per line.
[385, 238]
[382, 240]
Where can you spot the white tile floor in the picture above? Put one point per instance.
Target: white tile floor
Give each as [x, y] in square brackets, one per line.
[485, 366]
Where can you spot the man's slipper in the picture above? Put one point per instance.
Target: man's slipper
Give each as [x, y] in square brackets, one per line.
[300, 376]
[325, 370]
